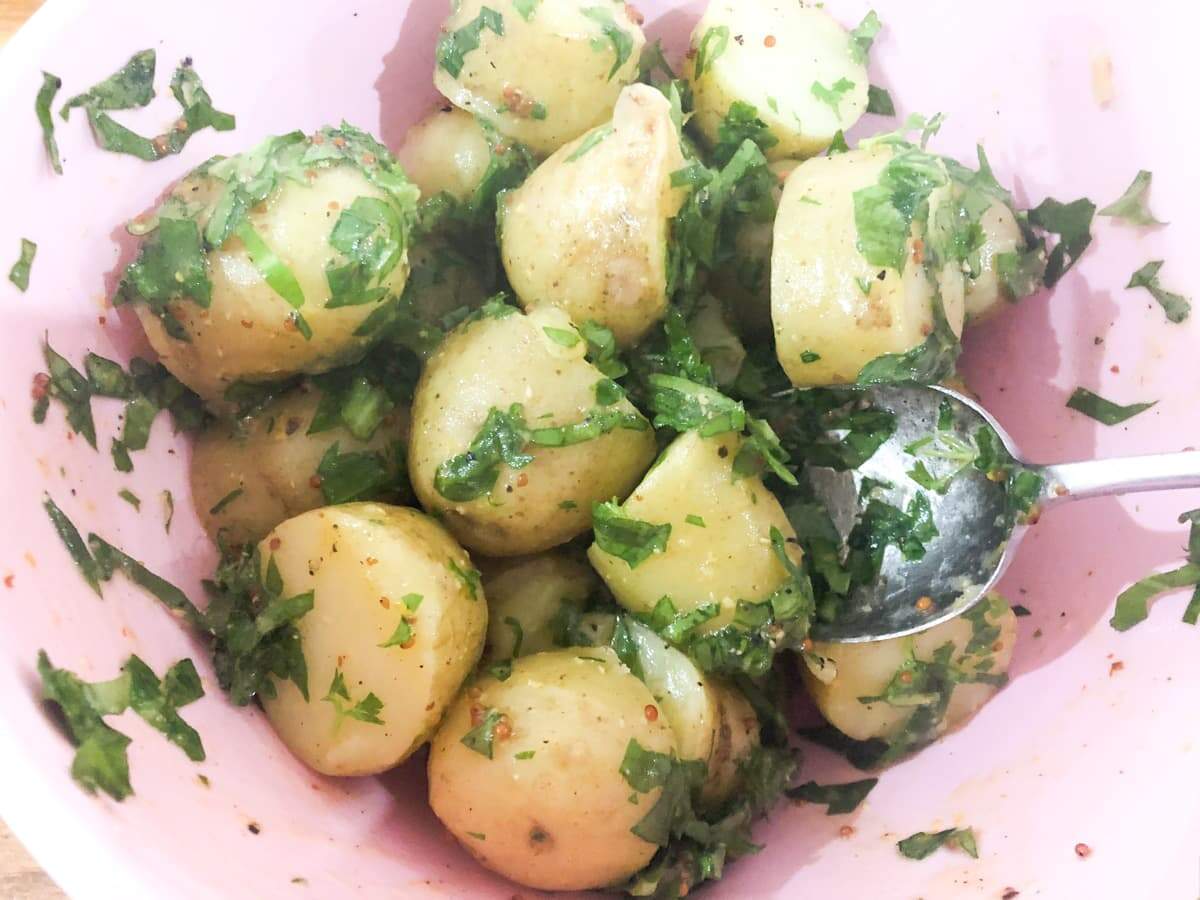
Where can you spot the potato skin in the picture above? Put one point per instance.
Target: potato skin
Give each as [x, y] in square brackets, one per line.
[589, 233]
[817, 304]
[493, 363]
[531, 591]
[728, 560]
[776, 50]
[246, 333]
[864, 670]
[557, 63]
[361, 560]
[272, 459]
[447, 151]
[561, 819]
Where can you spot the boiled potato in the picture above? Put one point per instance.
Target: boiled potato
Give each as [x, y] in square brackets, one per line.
[397, 614]
[550, 808]
[832, 311]
[447, 151]
[794, 64]
[542, 72]
[745, 283]
[712, 722]
[491, 364]
[719, 345]
[852, 671]
[723, 555]
[532, 593]
[985, 295]
[249, 475]
[588, 230]
[249, 332]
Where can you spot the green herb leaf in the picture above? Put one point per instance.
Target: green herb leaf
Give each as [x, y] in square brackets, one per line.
[171, 265]
[1133, 603]
[841, 798]
[19, 273]
[131, 498]
[928, 363]
[621, 40]
[698, 521]
[1020, 272]
[564, 337]
[74, 543]
[879, 101]
[482, 738]
[453, 46]
[740, 124]
[594, 137]
[372, 236]
[885, 211]
[71, 389]
[1132, 207]
[45, 97]
[923, 844]
[273, 270]
[471, 578]
[129, 87]
[221, 505]
[833, 95]
[863, 37]
[109, 559]
[1176, 306]
[526, 8]
[712, 47]
[625, 537]
[157, 702]
[361, 475]
[1072, 222]
[1104, 411]
[365, 710]
[645, 771]
[602, 349]
[501, 441]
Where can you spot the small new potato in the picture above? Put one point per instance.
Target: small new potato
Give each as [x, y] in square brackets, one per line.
[985, 294]
[724, 555]
[397, 613]
[447, 151]
[712, 721]
[249, 331]
[249, 475]
[719, 345]
[550, 808]
[793, 63]
[532, 593]
[864, 670]
[832, 311]
[745, 283]
[588, 230]
[495, 362]
[543, 73]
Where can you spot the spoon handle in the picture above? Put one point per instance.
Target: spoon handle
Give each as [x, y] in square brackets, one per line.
[1128, 475]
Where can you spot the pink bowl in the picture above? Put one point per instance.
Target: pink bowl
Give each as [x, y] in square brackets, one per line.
[1074, 750]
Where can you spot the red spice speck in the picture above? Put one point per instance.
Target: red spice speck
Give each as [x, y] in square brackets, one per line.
[1116, 370]
[806, 646]
[1083, 851]
[502, 731]
[651, 712]
[476, 714]
[769, 41]
[41, 384]
[906, 677]
[1009, 893]
[846, 831]
[315, 481]
[1115, 667]
[924, 604]
[522, 480]
[8, 581]
[276, 543]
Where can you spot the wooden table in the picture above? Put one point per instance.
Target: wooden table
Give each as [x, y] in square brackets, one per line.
[20, 877]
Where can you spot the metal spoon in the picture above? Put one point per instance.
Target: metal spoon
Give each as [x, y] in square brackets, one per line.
[976, 534]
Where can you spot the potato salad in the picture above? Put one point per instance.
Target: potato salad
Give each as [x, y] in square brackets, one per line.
[508, 435]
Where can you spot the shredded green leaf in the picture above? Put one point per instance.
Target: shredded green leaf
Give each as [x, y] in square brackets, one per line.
[45, 97]
[453, 46]
[1104, 411]
[20, 271]
[1176, 306]
[1132, 207]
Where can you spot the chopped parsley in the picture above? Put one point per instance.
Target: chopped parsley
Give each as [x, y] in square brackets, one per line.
[131, 498]
[1176, 306]
[1132, 207]
[712, 47]
[471, 578]
[693, 519]
[372, 235]
[879, 101]
[1133, 605]
[168, 501]
[45, 97]
[101, 759]
[602, 349]
[923, 844]
[840, 798]
[564, 337]
[365, 710]
[482, 738]
[221, 505]
[593, 138]
[625, 537]
[620, 39]
[863, 37]
[129, 87]
[740, 124]
[524, 754]
[453, 46]
[363, 474]
[273, 270]
[1104, 411]
[1072, 222]
[833, 95]
[526, 8]
[19, 273]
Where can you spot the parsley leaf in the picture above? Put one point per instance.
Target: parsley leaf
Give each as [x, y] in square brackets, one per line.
[1104, 411]
[1176, 306]
[885, 211]
[602, 349]
[500, 441]
[623, 536]
[740, 124]
[712, 47]
[72, 390]
[129, 87]
[1133, 603]
[19, 273]
[45, 97]
[453, 46]
[471, 578]
[833, 95]
[526, 8]
[879, 101]
[482, 738]
[1132, 206]
[863, 37]
[372, 236]
[840, 798]
[928, 363]
[1072, 222]
[923, 844]
[74, 543]
[364, 474]
[273, 270]
[645, 771]
[365, 710]
[621, 40]
[594, 137]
